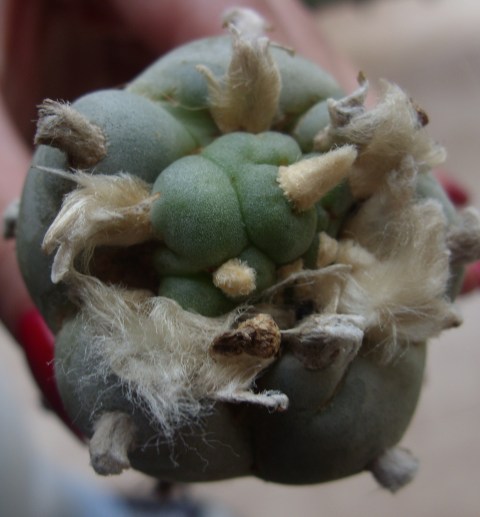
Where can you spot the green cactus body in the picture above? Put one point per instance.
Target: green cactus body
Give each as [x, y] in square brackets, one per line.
[234, 181]
[171, 120]
[206, 238]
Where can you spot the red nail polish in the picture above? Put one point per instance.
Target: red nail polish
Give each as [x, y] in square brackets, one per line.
[38, 343]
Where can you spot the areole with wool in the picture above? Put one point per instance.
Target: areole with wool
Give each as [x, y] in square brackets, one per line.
[241, 265]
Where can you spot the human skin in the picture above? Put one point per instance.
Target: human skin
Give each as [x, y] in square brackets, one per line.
[282, 438]
[63, 49]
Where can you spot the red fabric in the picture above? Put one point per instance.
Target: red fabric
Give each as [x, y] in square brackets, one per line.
[38, 344]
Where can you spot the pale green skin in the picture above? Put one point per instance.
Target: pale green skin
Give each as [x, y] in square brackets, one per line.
[335, 426]
[171, 120]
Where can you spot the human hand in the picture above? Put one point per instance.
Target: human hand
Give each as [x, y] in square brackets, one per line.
[64, 49]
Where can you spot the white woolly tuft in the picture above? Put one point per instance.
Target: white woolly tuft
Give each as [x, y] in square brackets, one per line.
[395, 468]
[399, 283]
[160, 352]
[246, 98]
[10, 217]
[464, 239]
[384, 135]
[246, 21]
[307, 181]
[103, 209]
[396, 268]
[235, 278]
[62, 126]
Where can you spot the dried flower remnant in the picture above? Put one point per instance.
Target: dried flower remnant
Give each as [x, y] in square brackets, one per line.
[235, 278]
[277, 281]
[247, 97]
[61, 126]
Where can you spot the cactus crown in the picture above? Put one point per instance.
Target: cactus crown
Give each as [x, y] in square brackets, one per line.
[266, 224]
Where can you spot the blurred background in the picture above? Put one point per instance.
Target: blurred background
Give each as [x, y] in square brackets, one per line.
[432, 49]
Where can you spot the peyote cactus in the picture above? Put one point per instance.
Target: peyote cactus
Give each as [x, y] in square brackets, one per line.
[241, 265]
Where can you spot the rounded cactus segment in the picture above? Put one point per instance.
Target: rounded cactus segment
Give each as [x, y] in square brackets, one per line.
[337, 440]
[197, 215]
[176, 81]
[252, 163]
[310, 124]
[265, 269]
[143, 148]
[272, 224]
[61, 126]
[196, 293]
[227, 300]
[269, 148]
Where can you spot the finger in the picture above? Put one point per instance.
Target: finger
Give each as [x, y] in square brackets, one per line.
[60, 50]
[38, 344]
[166, 24]
[65, 48]
[14, 160]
